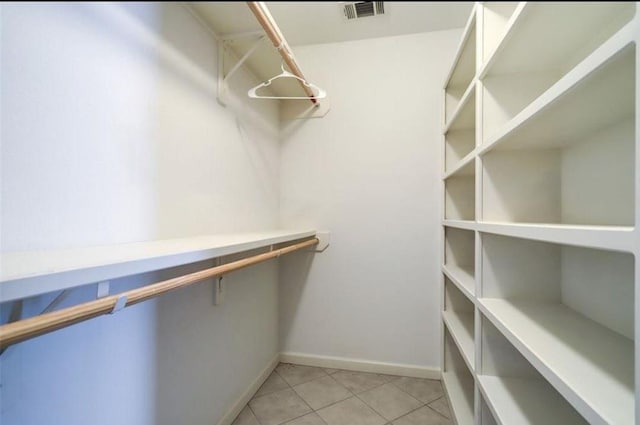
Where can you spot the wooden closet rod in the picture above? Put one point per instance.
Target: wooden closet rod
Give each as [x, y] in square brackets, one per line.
[273, 32]
[21, 330]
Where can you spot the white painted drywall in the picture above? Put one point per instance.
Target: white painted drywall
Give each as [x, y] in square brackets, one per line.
[111, 133]
[368, 172]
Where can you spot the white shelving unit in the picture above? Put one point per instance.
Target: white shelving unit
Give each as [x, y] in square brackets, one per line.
[541, 192]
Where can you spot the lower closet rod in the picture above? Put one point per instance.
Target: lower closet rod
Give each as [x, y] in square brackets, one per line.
[21, 330]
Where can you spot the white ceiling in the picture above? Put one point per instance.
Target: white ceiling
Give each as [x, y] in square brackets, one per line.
[321, 22]
[324, 22]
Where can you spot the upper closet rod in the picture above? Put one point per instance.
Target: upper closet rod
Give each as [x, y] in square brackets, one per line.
[265, 19]
[21, 330]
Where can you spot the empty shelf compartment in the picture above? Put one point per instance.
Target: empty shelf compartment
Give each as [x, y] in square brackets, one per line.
[528, 61]
[458, 316]
[515, 392]
[573, 162]
[570, 312]
[458, 383]
[462, 72]
[459, 258]
[460, 190]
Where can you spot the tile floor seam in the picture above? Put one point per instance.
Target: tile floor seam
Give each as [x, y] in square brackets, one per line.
[336, 402]
[297, 417]
[371, 407]
[301, 398]
[253, 413]
[303, 382]
[412, 396]
[421, 404]
[305, 402]
[407, 414]
[276, 372]
[272, 392]
[448, 405]
[349, 398]
[343, 386]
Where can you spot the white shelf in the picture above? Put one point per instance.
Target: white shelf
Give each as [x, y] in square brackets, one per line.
[614, 238]
[459, 146]
[462, 277]
[531, 41]
[465, 167]
[486, 416]
[460, 325]
[29, 273]
[598, 88]
[464, 116]
[521, 401]
[590, 365]
[457, 394]
[509, 87]
[461, 224]
[570, 157]
[460, 194]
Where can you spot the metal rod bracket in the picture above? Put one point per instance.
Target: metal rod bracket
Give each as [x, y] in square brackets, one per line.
[218, 286]
[120, 304]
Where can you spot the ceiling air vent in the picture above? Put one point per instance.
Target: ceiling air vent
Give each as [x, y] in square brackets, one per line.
[362, 9]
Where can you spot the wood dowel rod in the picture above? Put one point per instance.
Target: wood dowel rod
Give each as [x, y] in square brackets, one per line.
[21, 330]
[274, 34]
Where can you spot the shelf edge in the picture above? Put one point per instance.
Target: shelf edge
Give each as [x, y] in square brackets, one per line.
[49, 280]
[461, 164]
[620, 239]
[456, 281]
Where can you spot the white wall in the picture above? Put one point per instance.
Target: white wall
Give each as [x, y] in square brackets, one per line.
[368, 173]
[111, 133]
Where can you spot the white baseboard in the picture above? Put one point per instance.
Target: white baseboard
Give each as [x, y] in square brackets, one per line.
[237, 407]
[359, 365]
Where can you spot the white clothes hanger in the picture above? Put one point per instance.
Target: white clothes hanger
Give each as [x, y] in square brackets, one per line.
[286, 74]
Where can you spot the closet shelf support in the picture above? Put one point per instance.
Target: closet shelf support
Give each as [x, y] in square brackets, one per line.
[272, 30]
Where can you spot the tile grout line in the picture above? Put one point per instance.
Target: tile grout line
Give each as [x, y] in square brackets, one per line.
[296, 393]
[407, 414]
[427, 403]
[449, 407]
[390, 382]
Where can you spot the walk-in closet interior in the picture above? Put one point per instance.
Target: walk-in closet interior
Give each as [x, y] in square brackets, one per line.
[319, 213]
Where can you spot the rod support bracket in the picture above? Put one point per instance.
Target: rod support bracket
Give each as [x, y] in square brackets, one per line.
[120, 304]
[218, 285]
[324, 237]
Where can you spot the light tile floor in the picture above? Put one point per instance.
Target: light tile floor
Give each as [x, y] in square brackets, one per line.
[303, 395]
